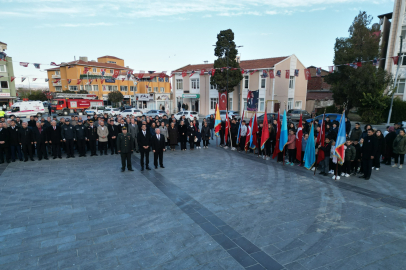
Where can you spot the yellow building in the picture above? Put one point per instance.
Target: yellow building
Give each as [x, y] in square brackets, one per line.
[150, 92]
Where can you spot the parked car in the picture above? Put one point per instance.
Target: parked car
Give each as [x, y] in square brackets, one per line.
[131, 112]
[189, 115]
[294, 115]
[95, 110]
[333, 117]
[270, 116]
[154, 113]
[111, 111]
[223, 115]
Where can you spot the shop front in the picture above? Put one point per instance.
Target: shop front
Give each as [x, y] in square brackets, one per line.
[145, 101]
[192, 101]
[163, 102]
[127, 100]
[6, 99]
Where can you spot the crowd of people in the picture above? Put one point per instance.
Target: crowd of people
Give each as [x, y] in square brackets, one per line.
[366, 149]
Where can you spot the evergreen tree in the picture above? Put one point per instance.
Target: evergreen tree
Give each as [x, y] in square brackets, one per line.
[226, 53]
[115, 97]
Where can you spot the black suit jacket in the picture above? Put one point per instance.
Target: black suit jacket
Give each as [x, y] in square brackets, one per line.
[113, 131]
[55, 136]
[144, 141]
[4, 136]
[158, 145]
[39, 138]
[13, 135]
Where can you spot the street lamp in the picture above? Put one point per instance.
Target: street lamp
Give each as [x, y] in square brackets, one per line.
[227, 51]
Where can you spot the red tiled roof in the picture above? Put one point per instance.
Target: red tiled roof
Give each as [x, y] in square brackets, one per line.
[109, 56]
[319, 95]
[147, 75]
[91, 64]
[246, 64]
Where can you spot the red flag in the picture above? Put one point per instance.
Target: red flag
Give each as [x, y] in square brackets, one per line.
[287, 74]
[141, 74]
[101, 81]
[252, 72]
[116, 73]
[86, 70]
[255, 131]
[69, 81]
[122, 80]
[271, 74]
[213, 70]
[25, 64]
[331, 69]
[395, 60]
[307, 74]
[202, 71]
[276, 150]
[222, 101]
[359, 64]
[90, 81]
[152, 77]
[192, 73]
[247, 139]
[54, 64]
[299, 135]
[184, 73]
[320, 140]
[79, 81]
[265, 131]
[242, 71]
[12, 78]
[227, 128]
[162, 75]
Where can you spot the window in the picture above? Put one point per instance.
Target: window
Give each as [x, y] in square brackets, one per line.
[105, 88]
[94, 69]
[111, 70]
[290, 103]
[298, 104]
[213, 86]
[162, 89]
[3, 68]
[73, 88]
[261, 104]
[123, 88]
[213, 102]
[111, 62]
[88, 87]
[245, 103]
[95, 88]
[403, 58]
[57, 72]
[133, 88]
[153, 79]
[400, 86]
[262, 82]
[246, 82]
[58, 88]
[230, 103]
[81, 87]
[3, 85]
[114, 87]
[156, 89]
[291, 82]
[149, 89]
[179, 84]
[194, 83]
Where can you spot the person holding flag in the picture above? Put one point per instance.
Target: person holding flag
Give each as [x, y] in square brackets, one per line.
[265, 133]
[248, 137]
[253, 132]
[299, 136]
[283, 139]
[320, 141]
[340, 144]
[217, 122]
[227, 131]
[310, 152]
[242, 135]
[239, 129]
[278, 135]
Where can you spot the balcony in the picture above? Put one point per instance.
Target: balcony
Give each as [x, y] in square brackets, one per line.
[56, 76]
[57, 84]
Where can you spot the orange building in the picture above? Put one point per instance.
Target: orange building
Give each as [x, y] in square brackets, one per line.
[72, 76]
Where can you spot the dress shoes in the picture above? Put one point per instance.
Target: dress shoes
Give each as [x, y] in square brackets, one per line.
[148, 168]
[162, 166]
[131, 170]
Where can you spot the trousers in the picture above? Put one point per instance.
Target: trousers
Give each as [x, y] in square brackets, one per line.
[126, 157]
[145, 154]
[158, 155]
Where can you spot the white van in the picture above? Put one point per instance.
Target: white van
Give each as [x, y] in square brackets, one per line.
[26, 109]
[95, 110]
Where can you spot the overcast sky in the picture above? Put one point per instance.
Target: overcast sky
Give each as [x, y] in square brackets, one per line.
[166, 35]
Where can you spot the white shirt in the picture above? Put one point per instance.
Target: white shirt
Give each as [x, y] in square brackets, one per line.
[243, 131]
[143, 133]
[157, 136]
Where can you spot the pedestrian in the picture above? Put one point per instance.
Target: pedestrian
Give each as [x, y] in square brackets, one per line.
[183, 130]
[179, 106]
[347, 126]
[40, 140]
[173, 136]
[368, 151]
[365, 132]
[4, 143]
[356, 133]
[125, 147]
[198, 139]
[380, 149]
[92, 137]
[68, 137]
[144, 143]
[399, 149]
[389, 139]
[243, 135]
[325, 164]
[205, 135]
[49, 109]
[357, 160]
[103, 133]
[211, 125]
[350, 154]
[25, 138]
[291, 145]
[158, 147]
[112, 137]
[13, 142]
[304, 143]
[80, 138]
[55, 139]
[191, 135]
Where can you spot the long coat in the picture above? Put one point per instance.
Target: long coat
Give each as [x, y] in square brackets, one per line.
[164, 132]
[399, 145]
[182, 132]
[125, 143]
[103, 133]
[173, 135]
[205, 133]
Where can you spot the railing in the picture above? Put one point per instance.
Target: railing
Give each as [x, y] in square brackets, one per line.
[57, 84]
[56, 76]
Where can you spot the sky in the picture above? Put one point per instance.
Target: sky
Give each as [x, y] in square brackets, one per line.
[166, 35]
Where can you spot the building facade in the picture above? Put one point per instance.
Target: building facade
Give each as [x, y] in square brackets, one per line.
[392, 26]
[7, 87]
[318, 91]
[279, 92]
[71, 76]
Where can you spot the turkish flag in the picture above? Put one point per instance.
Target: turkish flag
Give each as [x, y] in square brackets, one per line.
[116, 73]
[287, 75]
[271, 74]
[79, 81]
[184, 73]
[202, 71]
[307, 74]
[223, 101]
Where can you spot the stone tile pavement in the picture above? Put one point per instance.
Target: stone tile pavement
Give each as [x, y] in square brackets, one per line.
[208, 209]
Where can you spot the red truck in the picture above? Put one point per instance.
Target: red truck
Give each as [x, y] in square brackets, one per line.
[65, 104]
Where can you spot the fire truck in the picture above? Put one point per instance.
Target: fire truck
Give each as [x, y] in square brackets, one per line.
[65, 104]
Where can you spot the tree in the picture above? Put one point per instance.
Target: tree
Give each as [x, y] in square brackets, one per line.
[115, 96]
[37, 95]
[226, 53]
[361, 87]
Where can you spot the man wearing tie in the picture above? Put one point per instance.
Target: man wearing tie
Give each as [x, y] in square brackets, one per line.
[158, 147]
[144, 141]
[55, 138]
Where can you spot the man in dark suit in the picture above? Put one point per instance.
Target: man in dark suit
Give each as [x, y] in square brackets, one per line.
[40, 139]
[55, 138]
[125, 147]
[4, 141]
[25, 137]
[144, 142]
[158, 147]
[113, 133]
[13, 141]
[92, 137]
[368, 154]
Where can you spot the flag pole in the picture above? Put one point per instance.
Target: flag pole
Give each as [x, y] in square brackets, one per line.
[283, 153]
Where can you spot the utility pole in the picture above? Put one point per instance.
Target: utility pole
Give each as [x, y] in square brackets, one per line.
[396, 79]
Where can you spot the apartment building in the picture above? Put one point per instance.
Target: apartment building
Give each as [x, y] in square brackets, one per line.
[7, 87]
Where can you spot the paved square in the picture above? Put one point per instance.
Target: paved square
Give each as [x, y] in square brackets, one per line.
[208, 209]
